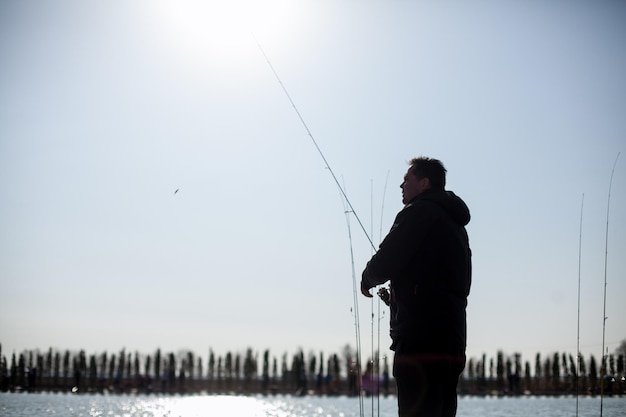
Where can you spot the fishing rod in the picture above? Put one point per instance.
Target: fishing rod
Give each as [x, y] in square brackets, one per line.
[377, 364]
[319, 150]
[356, 308]
[373, 363]
[380, 238]
[382, 208]
[376, 353]
[604, 317]
[374, 374]
[349, 209]
[580, 237]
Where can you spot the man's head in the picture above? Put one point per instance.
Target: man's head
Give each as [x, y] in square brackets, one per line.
[423, 174]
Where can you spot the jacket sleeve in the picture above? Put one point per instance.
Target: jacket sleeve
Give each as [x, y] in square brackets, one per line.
[399, 247]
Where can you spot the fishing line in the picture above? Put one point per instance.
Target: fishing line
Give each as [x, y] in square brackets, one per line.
[319, 150]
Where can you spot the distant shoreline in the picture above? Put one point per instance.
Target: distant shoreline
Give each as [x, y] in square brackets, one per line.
[248, 374]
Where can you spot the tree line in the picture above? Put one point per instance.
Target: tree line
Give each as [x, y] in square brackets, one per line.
[181, 372]
[338, 374]
[556, 374]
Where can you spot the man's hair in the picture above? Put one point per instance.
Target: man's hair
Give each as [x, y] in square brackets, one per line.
[430, 168]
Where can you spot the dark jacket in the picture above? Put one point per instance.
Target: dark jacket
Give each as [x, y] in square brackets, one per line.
[426, 256]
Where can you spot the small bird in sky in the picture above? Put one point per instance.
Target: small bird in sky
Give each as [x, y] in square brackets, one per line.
[176, 191]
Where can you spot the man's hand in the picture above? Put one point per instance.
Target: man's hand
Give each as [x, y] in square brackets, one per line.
[365, 291]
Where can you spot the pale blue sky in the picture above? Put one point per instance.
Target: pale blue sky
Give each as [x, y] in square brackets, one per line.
[106, 108]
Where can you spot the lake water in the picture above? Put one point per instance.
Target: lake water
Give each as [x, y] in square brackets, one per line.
[67, 405]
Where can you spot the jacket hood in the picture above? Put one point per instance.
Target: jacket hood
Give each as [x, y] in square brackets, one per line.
[450, 202]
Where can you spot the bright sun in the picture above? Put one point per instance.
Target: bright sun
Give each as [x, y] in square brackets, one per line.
[224, 29]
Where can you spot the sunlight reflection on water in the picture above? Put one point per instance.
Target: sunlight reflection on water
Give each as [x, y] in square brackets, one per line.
[67, 405]
[217, 406]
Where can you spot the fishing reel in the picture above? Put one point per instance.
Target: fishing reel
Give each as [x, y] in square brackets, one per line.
[384, 295]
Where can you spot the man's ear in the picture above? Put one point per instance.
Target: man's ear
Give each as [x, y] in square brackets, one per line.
[425, 183]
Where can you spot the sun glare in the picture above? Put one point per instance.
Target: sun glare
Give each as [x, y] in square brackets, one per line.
[224, 30]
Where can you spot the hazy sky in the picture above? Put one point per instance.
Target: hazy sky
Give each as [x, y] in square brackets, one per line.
[108, 108]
